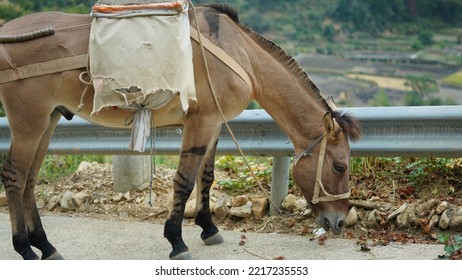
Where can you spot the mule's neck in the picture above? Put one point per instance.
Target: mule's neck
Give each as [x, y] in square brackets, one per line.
[291, 101]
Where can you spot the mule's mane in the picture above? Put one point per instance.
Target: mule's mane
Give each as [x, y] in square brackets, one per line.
[225, 9]
[349, 124]
[276, 50]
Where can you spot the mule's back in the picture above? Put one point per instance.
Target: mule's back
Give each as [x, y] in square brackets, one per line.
[69, 39]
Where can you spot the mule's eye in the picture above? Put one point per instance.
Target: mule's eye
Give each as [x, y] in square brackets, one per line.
[339, 168]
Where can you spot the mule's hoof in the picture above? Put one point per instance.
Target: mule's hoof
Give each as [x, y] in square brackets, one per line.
[55, 256]
[182, 256]
[214, 239]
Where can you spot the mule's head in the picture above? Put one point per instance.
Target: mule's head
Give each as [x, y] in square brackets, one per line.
[322, 170]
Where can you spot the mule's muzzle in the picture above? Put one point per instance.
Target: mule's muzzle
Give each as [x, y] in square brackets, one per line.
[332, 221]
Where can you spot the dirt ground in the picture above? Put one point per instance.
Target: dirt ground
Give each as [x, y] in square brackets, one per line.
[98, 200]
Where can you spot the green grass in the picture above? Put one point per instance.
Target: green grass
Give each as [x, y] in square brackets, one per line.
[57, 166]
[454, 79]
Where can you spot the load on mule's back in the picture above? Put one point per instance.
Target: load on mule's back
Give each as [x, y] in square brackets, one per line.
[140, 57]
[243, 66]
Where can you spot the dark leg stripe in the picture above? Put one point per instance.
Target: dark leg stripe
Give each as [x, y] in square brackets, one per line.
[9, 168]
[195, 151]
[183, 178]
[209, 171]
[183, 191]
[7, 178]
[207, 181]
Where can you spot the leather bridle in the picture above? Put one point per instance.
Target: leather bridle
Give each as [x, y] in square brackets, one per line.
[318, 186]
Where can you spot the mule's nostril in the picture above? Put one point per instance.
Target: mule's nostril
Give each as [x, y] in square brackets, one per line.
[326, 223]
[341, 224]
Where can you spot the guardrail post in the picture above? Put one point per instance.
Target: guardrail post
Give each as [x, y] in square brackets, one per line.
[130, 172]
[279, 182]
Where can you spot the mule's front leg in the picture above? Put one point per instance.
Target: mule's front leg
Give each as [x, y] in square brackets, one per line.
[199, 137]
[210, 234]
[183, 184]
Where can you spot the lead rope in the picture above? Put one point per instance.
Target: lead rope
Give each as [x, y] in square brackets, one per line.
[209, 80]
[153, 160]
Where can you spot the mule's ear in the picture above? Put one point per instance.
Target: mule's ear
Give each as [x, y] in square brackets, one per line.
[330, 101]
[329, 124]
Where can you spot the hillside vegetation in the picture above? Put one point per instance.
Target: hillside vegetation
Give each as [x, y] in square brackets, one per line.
[297, 24]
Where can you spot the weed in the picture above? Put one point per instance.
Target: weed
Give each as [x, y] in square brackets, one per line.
[241, 180]
[54, 166]
[166, 161]
[421, 170]
[452, 244]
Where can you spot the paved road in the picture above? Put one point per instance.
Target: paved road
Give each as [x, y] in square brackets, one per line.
[89, 239]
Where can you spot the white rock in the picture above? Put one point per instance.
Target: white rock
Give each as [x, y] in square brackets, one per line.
[372, 220]
[83, 166]
[412, 218]
[424, 208]
[127, 196]
[243, 211]
[402, 220]
[442, 207]
[41, 203]
[53, 202]
[434, 221]
[80, 198]
[240, 200]
[66, 200]
[117, 198]
[259, 207]
[221, 207]
[398, 211]
[291, 203]
[306, 213]
[444, 220]
[352, 217]
[318, 232]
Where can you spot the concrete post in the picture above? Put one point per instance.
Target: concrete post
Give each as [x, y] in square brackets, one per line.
[130, 172]
[279, 182]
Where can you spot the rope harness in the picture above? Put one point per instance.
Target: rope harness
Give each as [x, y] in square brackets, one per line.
[27, 36]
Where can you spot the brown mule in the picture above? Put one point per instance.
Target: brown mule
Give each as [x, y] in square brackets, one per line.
[34, 105]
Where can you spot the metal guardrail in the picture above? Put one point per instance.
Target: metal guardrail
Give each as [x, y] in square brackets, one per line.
[386, 131]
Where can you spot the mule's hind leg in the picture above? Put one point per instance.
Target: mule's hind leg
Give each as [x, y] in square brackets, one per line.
[197, 136]
[26, 136]
[34, 226]
[14, 182]
[210, 234]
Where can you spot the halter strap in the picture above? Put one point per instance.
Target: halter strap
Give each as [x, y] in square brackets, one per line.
[318, 186]
[307, 151]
